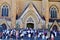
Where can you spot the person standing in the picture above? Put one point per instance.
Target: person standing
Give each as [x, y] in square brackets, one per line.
[52, 37]
[43, 37]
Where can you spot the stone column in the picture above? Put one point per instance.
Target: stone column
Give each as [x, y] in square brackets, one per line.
[13, 14]
[45, 11]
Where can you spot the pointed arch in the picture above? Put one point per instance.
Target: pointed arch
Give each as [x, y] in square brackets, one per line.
[4, 26]
[30, 19]
[30, 22]
[54, 26]
[5, 3]
[33, 13]
[53, 11]
[5, 9]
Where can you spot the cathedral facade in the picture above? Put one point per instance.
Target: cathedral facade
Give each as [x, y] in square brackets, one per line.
[36, 14]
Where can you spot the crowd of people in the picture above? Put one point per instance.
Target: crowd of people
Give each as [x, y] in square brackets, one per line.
[27, 33]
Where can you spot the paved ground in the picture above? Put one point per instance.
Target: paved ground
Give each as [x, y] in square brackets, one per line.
[56, 38]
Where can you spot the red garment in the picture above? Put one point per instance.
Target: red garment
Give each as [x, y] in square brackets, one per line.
[52, 38]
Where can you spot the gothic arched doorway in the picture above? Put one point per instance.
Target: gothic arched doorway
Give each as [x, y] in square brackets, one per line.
[4, 26]
[30, 25]
[55, 28]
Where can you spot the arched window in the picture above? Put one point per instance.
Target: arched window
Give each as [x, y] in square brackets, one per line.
[5, 10]
[53, 12]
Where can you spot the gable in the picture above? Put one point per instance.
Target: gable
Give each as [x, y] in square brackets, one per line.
[32, 7]
[53, 24]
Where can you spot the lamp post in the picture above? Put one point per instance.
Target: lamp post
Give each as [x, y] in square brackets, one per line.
[17, 25]
[48, 27]
[49, 30]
